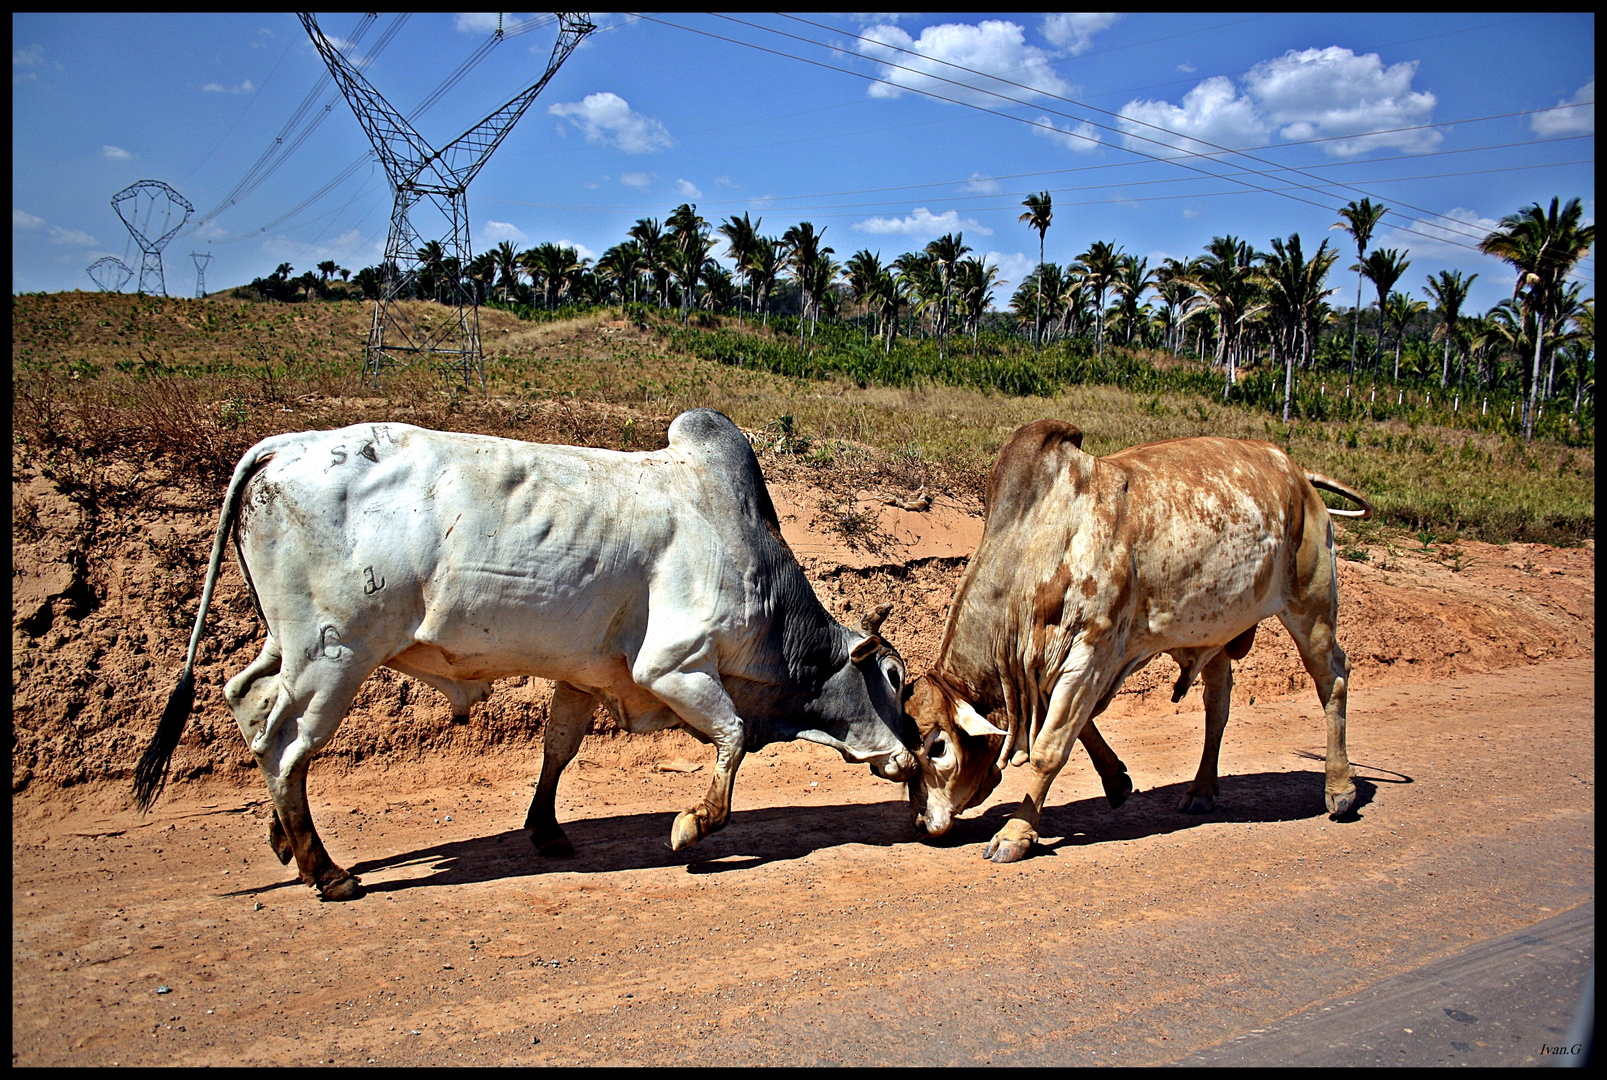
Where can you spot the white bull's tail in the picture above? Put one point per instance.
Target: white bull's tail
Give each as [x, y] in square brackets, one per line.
[150, 775]
[1320, 481]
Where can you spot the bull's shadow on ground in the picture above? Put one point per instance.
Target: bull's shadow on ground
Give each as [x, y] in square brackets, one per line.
[757, 837]
[1248, 799]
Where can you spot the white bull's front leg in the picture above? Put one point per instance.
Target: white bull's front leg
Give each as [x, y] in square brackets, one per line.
[691, 686]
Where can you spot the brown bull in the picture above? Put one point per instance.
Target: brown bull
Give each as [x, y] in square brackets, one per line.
[1091, 567]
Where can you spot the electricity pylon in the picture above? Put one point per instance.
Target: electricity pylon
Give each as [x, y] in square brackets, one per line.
[201, 260]
[138, 204]
[418, 172]
[109, 274]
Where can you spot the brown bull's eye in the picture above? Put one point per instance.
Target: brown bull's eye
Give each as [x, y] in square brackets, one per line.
[938, 749]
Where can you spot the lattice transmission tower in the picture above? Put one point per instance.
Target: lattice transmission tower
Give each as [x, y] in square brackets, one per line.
[419, 174]
[109, 274]
[201, 259]
[145, 208]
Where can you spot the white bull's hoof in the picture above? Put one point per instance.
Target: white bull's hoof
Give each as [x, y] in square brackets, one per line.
[687, 830]
[1341, 803]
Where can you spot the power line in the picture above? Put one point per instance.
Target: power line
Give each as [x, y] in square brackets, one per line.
[1127, 134]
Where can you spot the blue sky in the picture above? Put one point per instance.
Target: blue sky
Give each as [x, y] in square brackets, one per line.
[1434, 115]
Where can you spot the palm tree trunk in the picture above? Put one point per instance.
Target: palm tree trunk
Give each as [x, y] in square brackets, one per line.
[1288, 379]
[1355, 328]
[1534, 383]
[1445, 366]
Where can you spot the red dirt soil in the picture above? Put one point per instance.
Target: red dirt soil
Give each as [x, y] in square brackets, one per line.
[815, 929]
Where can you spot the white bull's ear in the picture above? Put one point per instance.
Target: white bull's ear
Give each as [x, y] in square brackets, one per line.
[972, 722]
[866, 648]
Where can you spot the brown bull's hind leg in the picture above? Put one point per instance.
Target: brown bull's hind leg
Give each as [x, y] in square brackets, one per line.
[279, 841]
[566, 725]
[1330, 669]
[1112, 773]
[1218, 680]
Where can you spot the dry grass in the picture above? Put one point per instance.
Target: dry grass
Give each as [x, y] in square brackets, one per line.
[188, 385]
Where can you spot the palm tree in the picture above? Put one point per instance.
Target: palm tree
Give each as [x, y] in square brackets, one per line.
[1295, 298]
[483, 272]
[649, 236]
[507, 260]
[623, 263]
[431, 255]
[804, 252]
[690, 244]
[1222, 281]
[1040, 211]
[1583, 351]
[766, 265]
[974, 282]
[1401, 309]
[891, 291]
[1100, 265]
[741, 236]
[922, 279]
[1360, 218]
[1133, 279]
[864, 270]
[1174, 292]
[326, 268]
[1543, 248]
[1383, 268]
[1449, 291]
[947, 251]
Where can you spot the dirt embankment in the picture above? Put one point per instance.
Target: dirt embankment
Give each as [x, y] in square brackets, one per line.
[106, 580]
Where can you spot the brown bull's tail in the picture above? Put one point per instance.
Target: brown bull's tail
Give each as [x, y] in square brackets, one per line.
[1320, 481]
[150, 775]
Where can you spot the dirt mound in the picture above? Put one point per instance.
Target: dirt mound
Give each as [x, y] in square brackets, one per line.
[105, 586]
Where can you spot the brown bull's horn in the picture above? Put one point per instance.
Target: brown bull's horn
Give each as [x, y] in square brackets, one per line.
[872, 623]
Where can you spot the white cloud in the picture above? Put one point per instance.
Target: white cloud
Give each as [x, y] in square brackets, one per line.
[75, 237]
[1450, 242]
[116, 153]
[477, 22]
[608, 119]
[24, 60]
[1327, 93]
[1187, 69]
[22, 220]
[726, 181]
[350, 249]
[580, 249]
[639, 180]
[982, 185]
[992, 46]
[245, 87]
[1212, 111]
[1014, 268]
[1321, 93]
[494, 232]
[1578, 121]
[762, 202]
[922, 224]
[1073, 31]
[687, 190]
[1081, 139]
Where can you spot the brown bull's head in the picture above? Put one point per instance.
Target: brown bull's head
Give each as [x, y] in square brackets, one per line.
[957, 753]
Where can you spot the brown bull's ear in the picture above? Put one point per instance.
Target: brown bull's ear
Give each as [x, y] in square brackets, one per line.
[872, 624]
[972, 722]
[865, 649]
[1074, 436]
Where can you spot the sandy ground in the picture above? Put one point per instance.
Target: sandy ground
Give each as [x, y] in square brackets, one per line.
[816, 929]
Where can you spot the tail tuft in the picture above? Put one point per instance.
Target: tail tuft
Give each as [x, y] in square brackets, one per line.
[150, 775]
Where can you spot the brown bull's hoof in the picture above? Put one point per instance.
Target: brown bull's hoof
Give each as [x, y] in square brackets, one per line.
[1197, 804]
[1340, 804]
[1004, 850]
[1117, 788]
[346, 888]
[554, 847]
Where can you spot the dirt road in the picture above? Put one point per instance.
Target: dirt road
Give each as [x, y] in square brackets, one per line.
[815, 928]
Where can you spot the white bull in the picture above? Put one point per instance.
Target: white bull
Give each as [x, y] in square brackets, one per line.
[655, 583]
